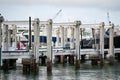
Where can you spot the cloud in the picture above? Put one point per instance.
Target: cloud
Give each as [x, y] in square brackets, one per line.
[110, 4]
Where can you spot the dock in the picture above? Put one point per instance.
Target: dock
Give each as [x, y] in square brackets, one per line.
[74, 54]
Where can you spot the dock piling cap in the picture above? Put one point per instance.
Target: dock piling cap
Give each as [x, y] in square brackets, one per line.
[78, 23]
[50, 21]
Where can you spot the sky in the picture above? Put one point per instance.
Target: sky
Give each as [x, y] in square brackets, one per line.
[87, 11]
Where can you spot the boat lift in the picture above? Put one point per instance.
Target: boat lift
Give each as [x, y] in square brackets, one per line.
[76, 25]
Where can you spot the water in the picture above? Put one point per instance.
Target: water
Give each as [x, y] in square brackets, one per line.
[66, 72]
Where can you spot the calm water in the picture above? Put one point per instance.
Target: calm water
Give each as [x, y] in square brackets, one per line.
[66, 72]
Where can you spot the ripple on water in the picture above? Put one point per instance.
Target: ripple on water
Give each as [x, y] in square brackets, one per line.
[66, 72]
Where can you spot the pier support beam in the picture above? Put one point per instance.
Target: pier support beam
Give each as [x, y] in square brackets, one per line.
[71, 59]
[14, 36]
[102, 43]
[58, 37]
[117, 56]
[9, 64]
[9, 38]
[94, 59]
[111, 45]
[62, 35]
[62, 59]
[31, 64]
[5, 37]
[36, 39]
[77, 28]
[1, 20]
[65, 36]
[42, 59]
[49, 45]
[83, 58]
[72, 38]
[57, 59]
[94, 62]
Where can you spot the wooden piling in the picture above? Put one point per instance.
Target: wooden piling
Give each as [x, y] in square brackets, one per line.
[71, 59]
[83, 58]
[101, 59]
[30, 65]
[57, 59]
[49, 65]
[5, 64]
[77, 65]
[9, 64]
[62, 59]
[111, 60]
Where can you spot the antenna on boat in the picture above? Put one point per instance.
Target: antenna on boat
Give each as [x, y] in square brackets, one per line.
[30, 42]
[109, 23]
[57, 13]
[108, 17]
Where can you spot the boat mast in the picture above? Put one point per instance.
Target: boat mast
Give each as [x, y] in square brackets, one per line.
[108, 17]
